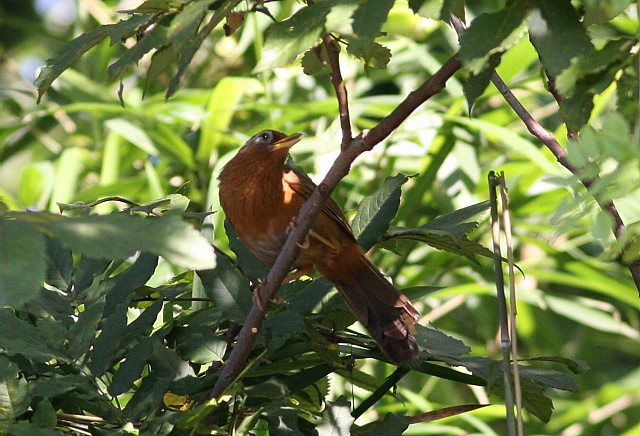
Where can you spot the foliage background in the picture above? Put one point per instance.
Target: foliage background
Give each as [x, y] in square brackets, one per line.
[576, 298]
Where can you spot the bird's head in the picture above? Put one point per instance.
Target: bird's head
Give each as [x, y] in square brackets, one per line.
[270, 141]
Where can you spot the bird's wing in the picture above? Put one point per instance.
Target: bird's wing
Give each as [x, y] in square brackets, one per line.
[303, 185]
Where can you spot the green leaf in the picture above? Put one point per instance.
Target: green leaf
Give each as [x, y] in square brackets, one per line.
[165, 363]
[427, 8]
[477, 83]
[288, 39]
[119, 236]
[131, 369]
[105, 347]
[589, 69]
[534, 400]
[71, 52]
[83, 331]
[229, 291]
[368, 20]
[336, 418]
[148, 397]
[185, 24]
[14, 391]
[198, 343]
[447, 232]
[161, 62]
[155, 38]
[372, 55]
[315, 60]
[22, 262]
[390, 425]
[133, 134]
[549, 377]
[376, 211]
[45, 414]
[491, 33]
[20, 337]
[557, 34]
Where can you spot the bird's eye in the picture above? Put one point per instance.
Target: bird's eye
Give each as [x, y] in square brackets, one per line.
[265, 137]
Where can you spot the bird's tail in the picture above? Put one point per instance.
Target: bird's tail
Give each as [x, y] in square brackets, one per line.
[379, 306]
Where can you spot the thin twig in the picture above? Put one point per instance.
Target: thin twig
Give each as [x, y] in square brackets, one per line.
[340, 168]
[549, 140]
[341, 90]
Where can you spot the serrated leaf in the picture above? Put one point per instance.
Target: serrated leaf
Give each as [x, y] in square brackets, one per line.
[427, 8]
[156, 6]
[336, 418]
[125, 29]
[71, 52]
[557, 34]
[22, 262]
[593, 67]
[118, 236]
[376, 211]
[368, 20]
[185, 25]
[390, 425]
[491, 33]
[447, 232]
[59, 265]
[315, 60]
[14, 391]
[534, 400]
[155, 38]
[477, 83]
[373, 55]
[161, 62]
[549, 377]
[288, 39]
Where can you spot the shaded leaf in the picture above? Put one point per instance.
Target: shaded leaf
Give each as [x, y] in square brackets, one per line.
[118, 236]
[14, 391]
[448, 232]
[491, 33]
[20, 337]
[131, 368]
[373, 55]
[290, 38]
[22, 262]
[368, 20]
[83, 331]
[71, 52]
[376, 211]
[336, 418]
[105, 347]
[477, 83]
[228, 290]
[391, 424]
[557, 34]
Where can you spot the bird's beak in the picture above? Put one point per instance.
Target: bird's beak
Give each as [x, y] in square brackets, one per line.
[287, 142]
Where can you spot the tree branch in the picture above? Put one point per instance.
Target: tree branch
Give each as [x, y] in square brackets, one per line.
[549, 140]
[340, 168]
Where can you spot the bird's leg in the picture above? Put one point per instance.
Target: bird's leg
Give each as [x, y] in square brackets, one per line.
[305, 244]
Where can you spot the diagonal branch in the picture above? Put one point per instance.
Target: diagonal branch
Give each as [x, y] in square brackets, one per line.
[341, 90]
[340, 168]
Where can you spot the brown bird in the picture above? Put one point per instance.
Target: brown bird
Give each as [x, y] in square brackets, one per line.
[262, 197]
